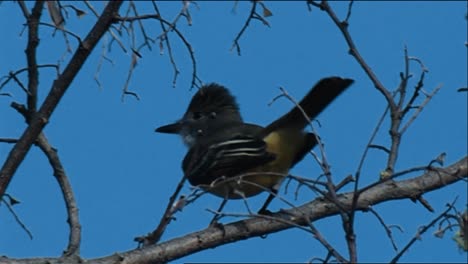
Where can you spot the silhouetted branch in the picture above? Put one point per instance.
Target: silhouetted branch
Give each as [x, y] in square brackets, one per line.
[16, 217]
[255, 227]
[420, 108]
[31, 48]
[163, 36]
[253, 15]
[343, 27]
[168, 45]
[421, 231]
[166, 219]
[13, 76]
[65, 186]
[74, 238]
[387, 228]
[110, 31]
[59, 87]
[64, 31]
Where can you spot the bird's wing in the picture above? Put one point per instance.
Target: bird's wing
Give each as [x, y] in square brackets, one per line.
[204, 163]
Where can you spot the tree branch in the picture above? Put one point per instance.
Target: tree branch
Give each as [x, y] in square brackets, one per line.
[343, 26]
[255, 227]
[33, 42]
[74, 239]
[58, 89]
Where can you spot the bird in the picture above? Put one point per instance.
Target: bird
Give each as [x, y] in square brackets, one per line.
[236, 160]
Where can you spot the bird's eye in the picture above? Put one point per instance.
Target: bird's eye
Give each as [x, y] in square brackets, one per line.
[197, 115]
[213, 115]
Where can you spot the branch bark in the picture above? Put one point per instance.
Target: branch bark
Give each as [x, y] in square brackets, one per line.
[74, 238]
[58, 89]
[318, 209]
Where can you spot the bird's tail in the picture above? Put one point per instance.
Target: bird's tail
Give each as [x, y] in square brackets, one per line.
[316, 100]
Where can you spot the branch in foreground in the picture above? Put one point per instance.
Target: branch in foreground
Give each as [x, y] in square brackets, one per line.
[254, 227]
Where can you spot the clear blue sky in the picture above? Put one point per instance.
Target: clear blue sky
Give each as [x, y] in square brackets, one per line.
[123, 173]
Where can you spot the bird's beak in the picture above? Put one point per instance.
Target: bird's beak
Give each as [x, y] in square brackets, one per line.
[170, 129]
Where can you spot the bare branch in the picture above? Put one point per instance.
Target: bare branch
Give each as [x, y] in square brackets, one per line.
[348, 14]
[110, 31]
[331, 250]
[102, 57]
[65, 186]
[8, 140]
[171, 27]
[64, 31]
[166, 219]
[387, 228]
[23, 8]
[332, 195]
[31, 48]
[317, 209]
[355, 53]
[253, 15]
[17, 219]
[74, 238]
[60, 85]
[254, 227]
[168, 45]
[384, 149]
[13, 76]
[420, 108]
[421, 231]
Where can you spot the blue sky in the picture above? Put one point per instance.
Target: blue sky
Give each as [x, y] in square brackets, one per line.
[123, 173]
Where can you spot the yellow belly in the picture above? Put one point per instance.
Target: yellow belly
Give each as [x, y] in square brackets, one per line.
[284, 145]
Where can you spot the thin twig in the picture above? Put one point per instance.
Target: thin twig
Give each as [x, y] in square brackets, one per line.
[348, 13]
[195, 80]
[110, 31]
[20, 83]
[166, 219]
[331, 250]
[343, 27]
[421, 231]
[387, 228]
[65, 31]
[420, 108]
[379, 147]
[8, 140]
[404, 80]
[168, 45]
[13, 76]
[147, 39]
[172, 25]
[253, 15]
[17, 219]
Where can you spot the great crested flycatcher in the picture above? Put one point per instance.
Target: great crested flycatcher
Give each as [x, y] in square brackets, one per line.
[233, 159]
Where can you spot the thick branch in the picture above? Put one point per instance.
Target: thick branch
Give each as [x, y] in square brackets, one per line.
[315, 210]
[59, 87]
[254, 227]
[33, 42]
